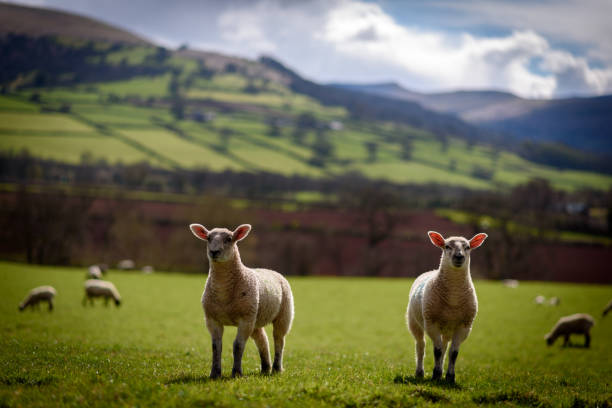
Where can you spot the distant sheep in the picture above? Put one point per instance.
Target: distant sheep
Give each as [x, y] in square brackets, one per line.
[579, 323]
[539, 300]
[37, 295]
[443, 303]
[510, 283]
[607, 308]
[236, 295]
[94, 272]
[554, 301]
[100, 288]
[147, 269]
[126, 265]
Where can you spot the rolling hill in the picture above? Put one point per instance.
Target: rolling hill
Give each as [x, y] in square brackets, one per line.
[582, 123]
[37, 22]
[121, 101]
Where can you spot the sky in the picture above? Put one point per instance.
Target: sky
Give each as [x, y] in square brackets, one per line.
[533, 48]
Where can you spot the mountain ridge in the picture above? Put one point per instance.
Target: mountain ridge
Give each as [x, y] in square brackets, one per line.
[566, 120]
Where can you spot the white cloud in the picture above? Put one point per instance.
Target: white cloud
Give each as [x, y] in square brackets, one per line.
[348, 40]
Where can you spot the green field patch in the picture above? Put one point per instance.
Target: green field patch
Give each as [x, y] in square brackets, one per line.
[75, 95]
[70, 149]
[8, 103]
[41, 121]
[183, 152]
[349, 346]
[129, 55]
[271, 159]
[120, 114]
[156, 86]
[413, 172]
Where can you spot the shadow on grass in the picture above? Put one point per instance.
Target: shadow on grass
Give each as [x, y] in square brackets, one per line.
[411, 379]
[28, 382]
[529, 399]
[575, 345]
[204, 378]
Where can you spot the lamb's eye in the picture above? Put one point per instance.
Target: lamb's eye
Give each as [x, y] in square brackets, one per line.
[448, 247]
[228, 239]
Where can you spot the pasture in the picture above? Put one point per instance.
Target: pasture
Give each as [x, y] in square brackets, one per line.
[348, 347]
[239, 140]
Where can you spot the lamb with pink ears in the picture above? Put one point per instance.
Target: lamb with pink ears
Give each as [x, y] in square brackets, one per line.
[443, 303]
[236, 295]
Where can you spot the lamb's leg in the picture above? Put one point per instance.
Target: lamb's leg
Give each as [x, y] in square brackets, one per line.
[458, 337]
[261, 340]
[440, 345]
[216, 333]
[566, 340]
[419, 336]
[245, 329]
[587, 339]
[106, 301]
[281, 327]
[50, 305]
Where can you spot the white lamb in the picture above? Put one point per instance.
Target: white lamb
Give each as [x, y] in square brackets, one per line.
[236, 295]
[443, 303]
[37, 295]
[94, 272]
[100, 288]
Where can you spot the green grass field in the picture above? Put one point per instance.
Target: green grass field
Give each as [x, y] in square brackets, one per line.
[348, 347]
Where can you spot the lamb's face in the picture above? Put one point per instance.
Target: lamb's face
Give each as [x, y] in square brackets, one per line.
[221, 242]
[457, 251]
[221, 245]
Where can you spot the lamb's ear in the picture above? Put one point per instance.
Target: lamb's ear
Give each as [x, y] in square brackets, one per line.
[241, 232]
[199, 231]
[436, 238]
[477, 240]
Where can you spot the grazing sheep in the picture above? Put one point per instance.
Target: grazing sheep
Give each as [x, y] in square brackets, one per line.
[94, 272]
[607, 309]
[236, 295]
[147, 269]
[37, 295]
[539, 300]
[579, 323]
[510, 283]
[126, 265]
[443, 303]
[554, 301]
[100, 288]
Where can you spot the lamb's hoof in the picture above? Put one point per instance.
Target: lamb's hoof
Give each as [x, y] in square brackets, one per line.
[437, 374]
[265, 370]
[450, 378]
[277, 370]
[236, 373]
[215, 374]
[419, 373]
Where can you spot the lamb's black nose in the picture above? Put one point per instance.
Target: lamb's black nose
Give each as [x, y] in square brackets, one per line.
[214, 254]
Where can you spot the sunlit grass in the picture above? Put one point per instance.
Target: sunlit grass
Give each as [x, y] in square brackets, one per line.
[349, 346]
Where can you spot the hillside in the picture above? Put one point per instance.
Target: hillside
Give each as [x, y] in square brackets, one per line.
[582, 123]
[37, 22]
[186, 109]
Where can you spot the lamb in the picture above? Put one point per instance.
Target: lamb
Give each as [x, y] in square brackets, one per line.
[539, 300]
[37, 295]
[579, 323]
[236, 295]
[607, 308]
[94, 272]
[443, 303]
[100, 288]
